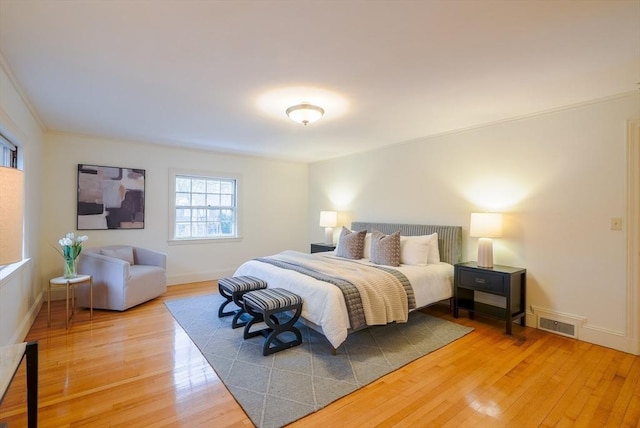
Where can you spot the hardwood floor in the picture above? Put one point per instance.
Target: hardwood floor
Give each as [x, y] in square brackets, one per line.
[138, 368]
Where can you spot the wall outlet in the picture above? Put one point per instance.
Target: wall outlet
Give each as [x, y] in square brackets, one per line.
[616, 223]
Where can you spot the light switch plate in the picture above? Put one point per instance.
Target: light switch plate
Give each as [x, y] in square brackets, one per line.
[616, 223]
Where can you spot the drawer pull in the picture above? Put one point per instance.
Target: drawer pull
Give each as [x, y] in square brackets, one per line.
[480, 280]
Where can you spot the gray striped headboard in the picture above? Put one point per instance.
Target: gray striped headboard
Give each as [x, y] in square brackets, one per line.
[449, 237]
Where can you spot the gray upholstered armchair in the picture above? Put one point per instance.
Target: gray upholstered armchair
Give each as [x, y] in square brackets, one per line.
[123, 276]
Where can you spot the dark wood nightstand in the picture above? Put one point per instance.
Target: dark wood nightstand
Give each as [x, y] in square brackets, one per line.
[321, 248]
[506, 281]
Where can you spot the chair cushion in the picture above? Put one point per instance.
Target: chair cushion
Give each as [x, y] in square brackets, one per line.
[241, 283]
[122, 253]
[271, 298]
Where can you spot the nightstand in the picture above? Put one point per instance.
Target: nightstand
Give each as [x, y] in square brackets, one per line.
[506, 282]
[321, 248]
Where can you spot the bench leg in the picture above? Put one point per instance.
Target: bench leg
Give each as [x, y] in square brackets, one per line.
[256, 317]
[229, 299]
[275, 329]
[238, 321]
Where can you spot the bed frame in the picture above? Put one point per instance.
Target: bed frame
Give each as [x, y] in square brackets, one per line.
[449, 244]
[449, 237]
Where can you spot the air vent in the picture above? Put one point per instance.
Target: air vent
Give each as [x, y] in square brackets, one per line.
[558, 327]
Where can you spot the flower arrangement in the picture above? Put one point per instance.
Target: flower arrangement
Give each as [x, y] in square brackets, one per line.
[71, 248]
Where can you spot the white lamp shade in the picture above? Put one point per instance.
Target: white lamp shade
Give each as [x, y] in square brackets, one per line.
[328, 218]
[11, 203]
[486, 225]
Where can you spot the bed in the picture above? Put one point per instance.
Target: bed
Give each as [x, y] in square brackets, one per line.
[325, 309]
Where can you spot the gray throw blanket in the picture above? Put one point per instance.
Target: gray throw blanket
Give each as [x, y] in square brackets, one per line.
[373, 294]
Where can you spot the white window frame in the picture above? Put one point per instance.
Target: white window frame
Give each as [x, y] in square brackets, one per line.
[175, 173]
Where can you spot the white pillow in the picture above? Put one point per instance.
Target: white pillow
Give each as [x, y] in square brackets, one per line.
[419, 250]
[123, 253]
[414, 250]
[434, 251]
[367, 246]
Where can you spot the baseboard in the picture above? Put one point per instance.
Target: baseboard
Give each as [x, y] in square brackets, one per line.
[198, 277]
[586, 332]
[28, 320]
[610, 339]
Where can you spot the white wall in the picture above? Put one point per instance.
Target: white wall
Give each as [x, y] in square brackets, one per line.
[559, 177]
[273, 204]
[20, 292]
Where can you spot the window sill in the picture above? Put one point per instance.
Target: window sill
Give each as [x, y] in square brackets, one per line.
[204, 241]
[8, 271]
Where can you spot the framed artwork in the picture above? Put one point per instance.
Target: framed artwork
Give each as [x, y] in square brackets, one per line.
[110, 197]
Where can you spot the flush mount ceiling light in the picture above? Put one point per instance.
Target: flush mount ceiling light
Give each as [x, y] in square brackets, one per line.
[305, 113]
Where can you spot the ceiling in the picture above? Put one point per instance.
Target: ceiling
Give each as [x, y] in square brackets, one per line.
[219, 75]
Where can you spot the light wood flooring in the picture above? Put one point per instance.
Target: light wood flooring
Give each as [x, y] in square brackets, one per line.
[138, 368]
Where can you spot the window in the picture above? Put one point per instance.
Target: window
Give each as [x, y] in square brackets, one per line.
[204, 206]
[11, 205]
[8, 154]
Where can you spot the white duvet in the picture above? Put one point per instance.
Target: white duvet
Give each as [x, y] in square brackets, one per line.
[324, 304]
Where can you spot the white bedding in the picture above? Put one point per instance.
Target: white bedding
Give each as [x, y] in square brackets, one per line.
[324, 304]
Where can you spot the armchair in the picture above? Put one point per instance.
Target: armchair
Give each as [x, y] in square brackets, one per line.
[123, 276]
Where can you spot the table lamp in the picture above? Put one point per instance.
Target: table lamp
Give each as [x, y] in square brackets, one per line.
[485, 226]
[328, 220]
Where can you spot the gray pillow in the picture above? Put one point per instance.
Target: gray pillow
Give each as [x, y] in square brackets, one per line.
[385, 249]
[351, 244]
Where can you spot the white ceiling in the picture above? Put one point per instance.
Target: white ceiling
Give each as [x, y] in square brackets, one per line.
[219, 74]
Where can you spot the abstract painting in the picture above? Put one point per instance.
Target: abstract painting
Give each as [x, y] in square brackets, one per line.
[110, 197]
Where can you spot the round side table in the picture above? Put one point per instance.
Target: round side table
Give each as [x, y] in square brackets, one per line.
[70, 284]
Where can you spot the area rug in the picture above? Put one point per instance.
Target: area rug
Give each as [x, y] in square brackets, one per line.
[280, 388]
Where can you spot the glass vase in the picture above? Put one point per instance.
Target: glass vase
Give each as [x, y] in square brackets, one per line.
[70, 268]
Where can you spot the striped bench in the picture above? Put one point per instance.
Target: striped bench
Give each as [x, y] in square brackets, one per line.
[232, 289]
[263, 306]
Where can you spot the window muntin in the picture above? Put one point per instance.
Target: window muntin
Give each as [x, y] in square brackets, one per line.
[205, 207]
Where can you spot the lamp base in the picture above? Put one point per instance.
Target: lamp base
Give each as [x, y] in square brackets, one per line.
[485, 252]
[328, 235]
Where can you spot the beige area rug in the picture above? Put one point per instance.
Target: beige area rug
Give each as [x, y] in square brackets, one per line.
[278, 389]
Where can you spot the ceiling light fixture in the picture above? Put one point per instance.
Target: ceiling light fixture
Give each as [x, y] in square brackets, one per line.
[305, 113]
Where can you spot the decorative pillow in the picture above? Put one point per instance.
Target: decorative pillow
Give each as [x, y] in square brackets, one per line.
[122, 253]
[385, 249]
[434, 252]
[350, 244]
[414, 250]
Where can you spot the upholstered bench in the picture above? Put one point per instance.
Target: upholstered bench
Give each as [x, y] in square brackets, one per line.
[232, 289]
[263, 306]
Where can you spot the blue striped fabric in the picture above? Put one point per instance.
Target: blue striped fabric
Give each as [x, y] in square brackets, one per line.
[241, 283]
[271, 298]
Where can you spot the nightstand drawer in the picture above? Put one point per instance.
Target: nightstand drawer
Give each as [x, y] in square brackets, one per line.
[482, 281]
[321, 248]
